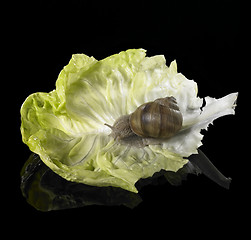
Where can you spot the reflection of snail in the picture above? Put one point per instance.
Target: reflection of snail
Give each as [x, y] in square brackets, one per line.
[160, 119]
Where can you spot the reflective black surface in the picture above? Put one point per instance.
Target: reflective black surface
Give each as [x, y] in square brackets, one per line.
[46, 191]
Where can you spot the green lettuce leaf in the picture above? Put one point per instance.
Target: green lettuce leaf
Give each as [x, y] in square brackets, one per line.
[66, 126]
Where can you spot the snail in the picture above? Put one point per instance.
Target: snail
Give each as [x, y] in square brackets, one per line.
[157, 120]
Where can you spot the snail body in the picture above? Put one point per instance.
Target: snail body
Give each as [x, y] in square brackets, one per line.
[160, 119]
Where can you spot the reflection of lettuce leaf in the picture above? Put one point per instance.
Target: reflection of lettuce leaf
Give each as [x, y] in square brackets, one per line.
[66, 126]
[46, 191]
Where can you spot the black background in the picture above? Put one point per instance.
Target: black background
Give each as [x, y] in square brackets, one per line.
[203, 37]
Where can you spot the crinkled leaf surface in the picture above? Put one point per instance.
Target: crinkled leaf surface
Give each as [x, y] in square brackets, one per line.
[66, 126]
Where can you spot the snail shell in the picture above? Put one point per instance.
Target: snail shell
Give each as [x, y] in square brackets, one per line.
[158, 119]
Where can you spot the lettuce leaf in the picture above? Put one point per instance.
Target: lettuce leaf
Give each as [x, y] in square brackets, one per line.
[65, 127]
